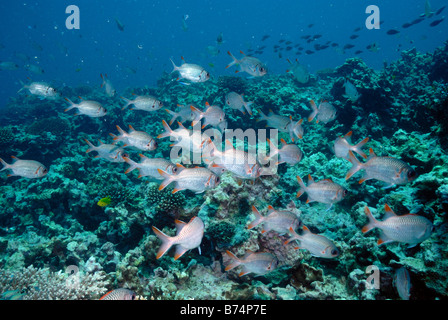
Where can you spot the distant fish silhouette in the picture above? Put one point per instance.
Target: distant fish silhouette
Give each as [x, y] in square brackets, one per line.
[440, 10]
[392, 31]
[436, 22]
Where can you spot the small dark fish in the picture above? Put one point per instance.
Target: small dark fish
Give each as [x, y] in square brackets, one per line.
[317, 36]
[406, 25]
[309, 52]
[305, 37]
[392, 31]
[358, 52]
[348, 46]
[418, 20]
[309, 40]
[436, 22]
[265, 37]
[288, 48]
[354, 36]
[310, 25]
[440, 10]
[219, 39]
[281, 40]
[357, 29]
[120, 26]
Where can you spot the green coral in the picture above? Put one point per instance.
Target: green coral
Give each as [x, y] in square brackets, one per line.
[164, 200]
[6, 136]
[56, 126]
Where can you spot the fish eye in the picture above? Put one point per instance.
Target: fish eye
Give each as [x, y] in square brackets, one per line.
[207, 74]
[262, 69]
[334, 252]
[218, 179]
[412, 174]
[345, 192]
[174, 169]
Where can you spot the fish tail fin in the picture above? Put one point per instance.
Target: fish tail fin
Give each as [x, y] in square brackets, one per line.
[313, 114]
[72, 105]
[372, 221]
[356, 165]
[5, 165]
[174, 66]
[128, 102]
[258, 218]
[168, 131]
[358, 146]
[235, 261]
[132, 164]
[173, 114]
[166, 242]
[262, 116]
[273, 150]
[248, 108]
[235, 60]
[91, 146]
[302, 186]
[167, 179]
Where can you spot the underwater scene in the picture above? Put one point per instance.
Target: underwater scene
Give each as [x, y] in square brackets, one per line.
[231, 150]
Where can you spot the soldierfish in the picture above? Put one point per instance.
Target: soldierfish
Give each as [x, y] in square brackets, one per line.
[259, 263]
[288, 153]
[197, 179]
[283, 124]
[108, 86]
[242, 164]
[409, 228]
[279, 221]
[393, 171]
[342, 145]
[191, 72]
[89, 108]
[248, 64]
[149, 166]
[324, 191]
[316, 244]
[185, 114]
[25, 168]
[213, 115]
[325, 112]
[42, 90]
[137, 139]
[236, 101]
[109, 152]
[188, 236]
[145, 103]
[119, 294]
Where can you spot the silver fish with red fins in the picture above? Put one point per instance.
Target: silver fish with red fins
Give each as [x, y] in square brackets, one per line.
[137, 139]
[236, 101]
[145, 103]
[25, 168]
[391, 170]
[342, 145]
[108, 86]
[189, 236]
[149, 166]
[212, 116]
[259, 263]
[316, 244]
[120, 294]
[279, 221]
[324, 113]
[89, 108]
[191, 72]
[288, 153]
[248, 64]
[109, 152]
[283, 124]
[197, 179]
[409, 228]
[324, 191]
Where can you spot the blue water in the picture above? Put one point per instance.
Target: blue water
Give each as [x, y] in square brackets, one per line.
[153, 33]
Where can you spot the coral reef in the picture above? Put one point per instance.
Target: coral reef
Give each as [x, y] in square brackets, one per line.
[49, 224]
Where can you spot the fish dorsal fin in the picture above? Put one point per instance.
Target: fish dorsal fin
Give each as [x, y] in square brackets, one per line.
[270, 112]
[283, 142]
[142, 156]
[310, 179]
[179, 225]
[247, 254]
[181, 125]
[14, 159]
[348, 136]
[389, 212]
[371, 154]
[270, 209]
[131, 128]
[241, 51]
[305, 230]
